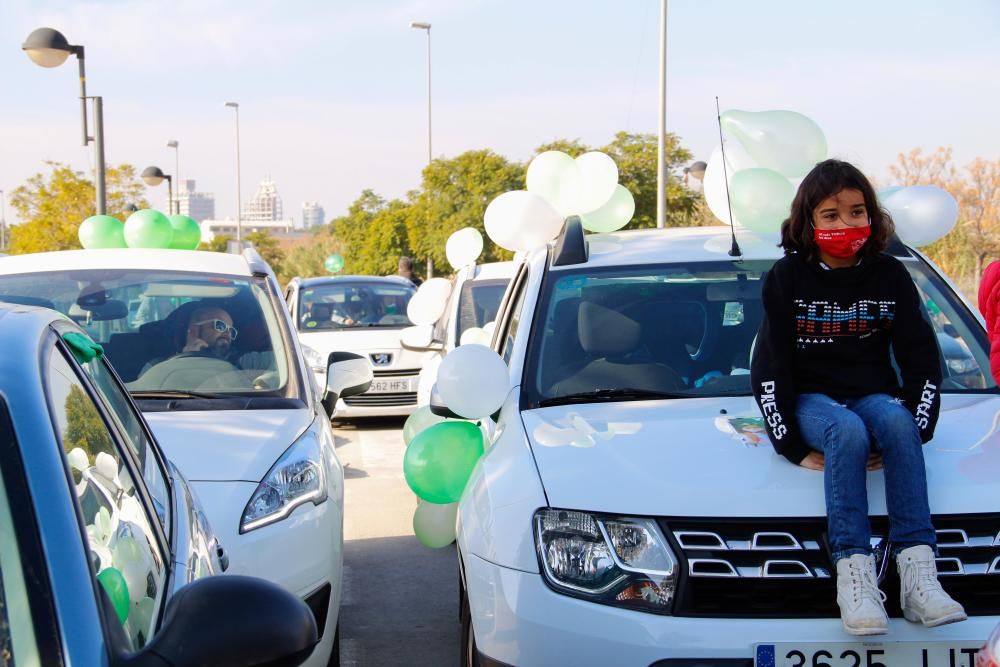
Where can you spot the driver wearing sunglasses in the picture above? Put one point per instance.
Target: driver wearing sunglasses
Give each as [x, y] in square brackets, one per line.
[210, 330]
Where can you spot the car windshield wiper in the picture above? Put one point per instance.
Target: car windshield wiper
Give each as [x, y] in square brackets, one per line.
[617, 394]
[153, 394]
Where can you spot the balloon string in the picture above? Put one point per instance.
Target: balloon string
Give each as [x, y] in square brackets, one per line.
[734, 251]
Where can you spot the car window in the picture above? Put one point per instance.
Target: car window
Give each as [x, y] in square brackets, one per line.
[131, 429]
[173, 330]
[513, 318]
[688, 329]
[127, 558]
[478, 303]
[352, 304]
[18, 645]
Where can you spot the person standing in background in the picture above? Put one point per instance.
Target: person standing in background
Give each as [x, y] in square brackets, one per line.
[989, 306]
[406, 270]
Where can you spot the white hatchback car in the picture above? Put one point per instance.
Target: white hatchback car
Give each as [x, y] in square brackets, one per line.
[629, 509]
[208, 353]
[362, 315]
[476, 292]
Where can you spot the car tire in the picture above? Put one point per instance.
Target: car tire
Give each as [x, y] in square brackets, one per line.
[470, 653]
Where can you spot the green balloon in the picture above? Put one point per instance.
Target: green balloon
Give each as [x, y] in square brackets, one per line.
[114, 584]
[761, 199]
[148, 229]
[334, 263]
[187, 232]
[421, 419]
[439, 461]
[101, 231]
[614, 215]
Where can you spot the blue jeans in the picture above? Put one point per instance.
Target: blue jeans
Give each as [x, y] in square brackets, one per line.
[846, 433]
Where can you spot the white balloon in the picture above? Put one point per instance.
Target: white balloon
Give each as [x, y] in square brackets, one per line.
[78, 459]
[488, 329]
[434, 525]
[598, 180]
[521, 220]
[425, 308]
[922, 213]
[474, 335]
[554, 176]
[463, 247]
[473, 381]
[615, 214]
[439, 288]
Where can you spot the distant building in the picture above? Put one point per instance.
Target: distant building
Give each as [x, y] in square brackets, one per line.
[197, 205]
[265, 205]
[276, 228]
[312, 215]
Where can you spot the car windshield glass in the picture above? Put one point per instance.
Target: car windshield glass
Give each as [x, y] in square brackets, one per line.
[354, 304]
[479, 302]
[214, 335]
[688, 330]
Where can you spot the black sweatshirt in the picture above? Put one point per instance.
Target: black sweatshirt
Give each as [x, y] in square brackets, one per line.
[829, 331]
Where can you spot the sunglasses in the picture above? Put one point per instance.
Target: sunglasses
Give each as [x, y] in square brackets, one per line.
[220, 326]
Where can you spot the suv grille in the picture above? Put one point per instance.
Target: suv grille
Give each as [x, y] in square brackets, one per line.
[382, 400]
[782, 569]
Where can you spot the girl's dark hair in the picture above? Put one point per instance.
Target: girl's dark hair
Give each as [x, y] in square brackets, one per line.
[825, 180]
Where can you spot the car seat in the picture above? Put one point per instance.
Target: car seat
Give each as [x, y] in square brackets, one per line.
[609, 339]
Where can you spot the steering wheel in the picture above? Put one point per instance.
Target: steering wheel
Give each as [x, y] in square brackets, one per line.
[184, 372]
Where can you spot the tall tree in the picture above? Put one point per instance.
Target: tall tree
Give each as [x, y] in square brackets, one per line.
[52, 205]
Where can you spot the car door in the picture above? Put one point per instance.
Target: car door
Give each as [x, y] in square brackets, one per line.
[508, 321]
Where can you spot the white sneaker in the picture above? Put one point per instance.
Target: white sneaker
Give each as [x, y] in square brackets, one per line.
[921, 596]
[859, 598]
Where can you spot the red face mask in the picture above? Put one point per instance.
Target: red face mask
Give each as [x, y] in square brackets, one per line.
[842, 243]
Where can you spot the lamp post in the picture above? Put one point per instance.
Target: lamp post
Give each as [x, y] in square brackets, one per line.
[661, 143]
[173, 143]
[3, 221]
[421, 25]
[154, 176]
[49, 48]
[239, 223]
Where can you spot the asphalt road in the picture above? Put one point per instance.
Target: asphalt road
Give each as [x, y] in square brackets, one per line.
[400, 600]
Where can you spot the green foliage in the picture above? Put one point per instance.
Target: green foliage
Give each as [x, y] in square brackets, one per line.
[53, 205]
[268, 248]
[84, 427]
[306, 258]
[218, 243]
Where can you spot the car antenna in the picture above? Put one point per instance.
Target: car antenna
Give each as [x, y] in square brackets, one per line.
[734, 251]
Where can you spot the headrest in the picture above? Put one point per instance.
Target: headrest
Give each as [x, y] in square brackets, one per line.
[605, 332]
[321, 312]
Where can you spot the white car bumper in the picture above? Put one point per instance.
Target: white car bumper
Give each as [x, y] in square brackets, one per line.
[519, 621]
[303, 552]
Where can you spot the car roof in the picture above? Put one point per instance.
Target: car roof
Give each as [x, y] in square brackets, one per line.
[195, 261]
[494, 270]
[20, 329]
[328, 280]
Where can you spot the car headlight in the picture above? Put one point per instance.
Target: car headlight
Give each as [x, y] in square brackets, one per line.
[297, 478]
[314, 359]
[619, 561]
[962, 365]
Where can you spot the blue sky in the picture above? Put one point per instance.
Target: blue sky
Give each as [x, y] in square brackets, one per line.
[333, 96]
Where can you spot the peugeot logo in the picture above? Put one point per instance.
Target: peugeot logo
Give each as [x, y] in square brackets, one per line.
[381, 358]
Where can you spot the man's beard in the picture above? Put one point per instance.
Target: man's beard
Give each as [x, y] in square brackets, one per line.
[221, 348]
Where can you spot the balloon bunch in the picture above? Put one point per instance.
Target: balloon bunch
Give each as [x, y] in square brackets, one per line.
[441, 453]
[560, 186]
[769, 153]
[145, 228]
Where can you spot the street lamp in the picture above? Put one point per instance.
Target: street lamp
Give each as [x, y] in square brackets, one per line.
[49, 48]
[154, 176]
[173, 143]
[696, 170]
[239, 223]
[420, 25]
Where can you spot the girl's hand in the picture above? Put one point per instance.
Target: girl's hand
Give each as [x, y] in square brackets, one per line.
[813, 461]
[874, 462]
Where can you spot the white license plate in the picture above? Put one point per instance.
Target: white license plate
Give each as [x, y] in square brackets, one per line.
[867, 654]
[391, 386]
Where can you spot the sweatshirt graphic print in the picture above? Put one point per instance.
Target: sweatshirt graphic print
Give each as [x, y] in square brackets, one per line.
[834, 332]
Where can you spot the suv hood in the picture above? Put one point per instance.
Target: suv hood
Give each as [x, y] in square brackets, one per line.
[227, 445]
[685, 458]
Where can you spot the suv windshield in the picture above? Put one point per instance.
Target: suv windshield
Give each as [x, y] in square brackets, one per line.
[687, 330]
[172, 334]
[354, 304]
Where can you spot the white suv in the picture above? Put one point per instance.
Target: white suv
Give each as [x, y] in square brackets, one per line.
[209, 355]
[629, 509]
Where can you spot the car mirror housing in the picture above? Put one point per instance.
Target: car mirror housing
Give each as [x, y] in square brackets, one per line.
[348, 374]
[439, 408]
[419, 338]
[231, 620]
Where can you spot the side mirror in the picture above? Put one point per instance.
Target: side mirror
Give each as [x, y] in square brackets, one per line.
[348, 374]
[231, 620]
[419, 338]
[438, 407]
